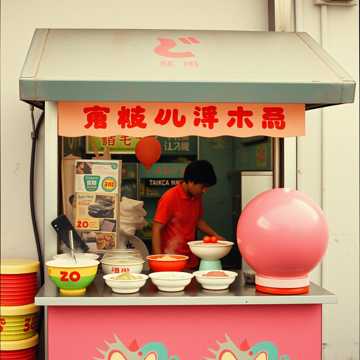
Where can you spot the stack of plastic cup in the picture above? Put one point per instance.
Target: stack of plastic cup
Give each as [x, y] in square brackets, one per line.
[19, 350]
[18, 313]
[18, 281]
[18, 322]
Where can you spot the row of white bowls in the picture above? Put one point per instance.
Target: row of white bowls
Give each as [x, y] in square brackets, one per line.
[170, 281]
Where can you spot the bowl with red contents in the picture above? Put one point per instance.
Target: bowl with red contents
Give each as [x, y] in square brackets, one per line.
[167, 262]
[210, 248]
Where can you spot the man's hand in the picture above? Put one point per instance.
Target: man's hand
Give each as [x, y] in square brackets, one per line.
[207, 229]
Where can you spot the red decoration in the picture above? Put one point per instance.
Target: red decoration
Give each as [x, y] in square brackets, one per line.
[134, 346]
[244, 346]
[148, 151]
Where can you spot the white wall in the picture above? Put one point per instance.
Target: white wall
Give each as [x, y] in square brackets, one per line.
[328, 170]
[329, 174]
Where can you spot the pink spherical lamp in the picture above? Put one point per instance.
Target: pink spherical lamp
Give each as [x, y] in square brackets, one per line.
[282, 234]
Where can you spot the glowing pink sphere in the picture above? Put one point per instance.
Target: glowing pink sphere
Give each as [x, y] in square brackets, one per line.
[282, 233]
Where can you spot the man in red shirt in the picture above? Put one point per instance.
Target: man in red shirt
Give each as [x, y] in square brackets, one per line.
[179, 212]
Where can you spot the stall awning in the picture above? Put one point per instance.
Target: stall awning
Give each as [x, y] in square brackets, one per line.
[182, 66]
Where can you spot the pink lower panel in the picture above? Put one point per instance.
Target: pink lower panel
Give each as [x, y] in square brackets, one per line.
[249, 332]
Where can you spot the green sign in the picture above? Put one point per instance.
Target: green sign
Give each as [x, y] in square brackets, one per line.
[91, 182]
[119, 144]
[122, 144]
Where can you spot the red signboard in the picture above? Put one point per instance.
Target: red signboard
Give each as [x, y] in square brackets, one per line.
[180, 119]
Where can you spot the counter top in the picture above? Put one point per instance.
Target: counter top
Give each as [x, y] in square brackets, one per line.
[99, 294]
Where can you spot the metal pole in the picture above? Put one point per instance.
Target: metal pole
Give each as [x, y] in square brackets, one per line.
[276, 161]
[274, 24]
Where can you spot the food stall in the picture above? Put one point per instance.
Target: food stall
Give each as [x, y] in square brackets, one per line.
[177, 83]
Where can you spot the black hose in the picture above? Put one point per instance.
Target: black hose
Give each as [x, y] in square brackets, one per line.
[34, 135]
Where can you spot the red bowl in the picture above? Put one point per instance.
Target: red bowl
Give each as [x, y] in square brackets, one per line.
[17, 283]
[17, 302]
[16, 296]
[18, 286]
[20, 299]
[18, 290]
[17, 276]
[26, 354]
[18, 357]
[167, 262]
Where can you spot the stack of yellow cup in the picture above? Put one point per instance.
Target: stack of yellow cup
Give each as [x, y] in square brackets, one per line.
[18, 314]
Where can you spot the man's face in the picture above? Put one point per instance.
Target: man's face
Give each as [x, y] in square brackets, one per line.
[197, 189]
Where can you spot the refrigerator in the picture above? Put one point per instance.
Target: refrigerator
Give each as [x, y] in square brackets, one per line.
[245, 186]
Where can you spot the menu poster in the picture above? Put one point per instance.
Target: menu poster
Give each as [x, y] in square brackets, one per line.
[97, 192]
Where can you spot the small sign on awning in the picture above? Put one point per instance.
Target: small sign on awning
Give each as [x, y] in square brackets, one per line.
[180, 119]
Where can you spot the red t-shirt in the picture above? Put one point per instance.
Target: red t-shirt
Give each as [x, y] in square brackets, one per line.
[180, 214]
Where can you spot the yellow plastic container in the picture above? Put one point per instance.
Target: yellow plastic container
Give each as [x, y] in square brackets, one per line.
[19, 350]
[18, 322]
[19, 266]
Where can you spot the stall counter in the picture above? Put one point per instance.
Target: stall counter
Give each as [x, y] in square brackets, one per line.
[238, 323]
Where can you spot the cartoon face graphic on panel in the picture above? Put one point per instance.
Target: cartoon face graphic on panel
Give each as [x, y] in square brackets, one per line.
[226, 350]
[150, 351]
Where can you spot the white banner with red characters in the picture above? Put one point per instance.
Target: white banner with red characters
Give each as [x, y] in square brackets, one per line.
[140, 119]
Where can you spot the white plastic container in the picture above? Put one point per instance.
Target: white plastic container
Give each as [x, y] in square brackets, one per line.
[171, 280]
[215, 282]
[114, 265]
[125, 286]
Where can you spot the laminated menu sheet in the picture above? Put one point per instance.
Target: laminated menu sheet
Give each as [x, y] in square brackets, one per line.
[97, 193]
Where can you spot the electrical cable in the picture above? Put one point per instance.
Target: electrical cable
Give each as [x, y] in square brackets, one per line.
[34, 136]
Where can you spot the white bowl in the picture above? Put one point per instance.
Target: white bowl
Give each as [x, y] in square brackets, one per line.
[210, 251]
[122, 286]
[171, 280]
[215, 282]
[77, 255]
[113, 265]
[121, 252]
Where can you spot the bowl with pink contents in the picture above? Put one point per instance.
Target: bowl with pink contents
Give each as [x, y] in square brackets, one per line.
[215, 279]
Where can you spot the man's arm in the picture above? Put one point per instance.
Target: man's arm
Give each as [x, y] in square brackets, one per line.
[207, 229]
[156, 237]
